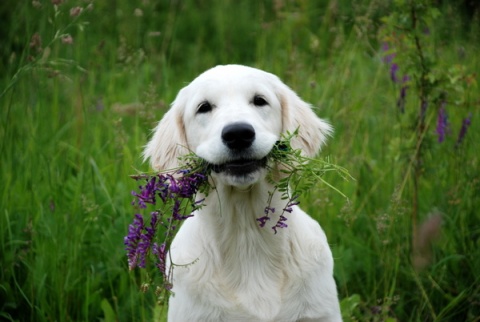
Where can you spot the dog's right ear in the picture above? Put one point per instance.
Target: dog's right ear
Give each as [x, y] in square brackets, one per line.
[169, 139]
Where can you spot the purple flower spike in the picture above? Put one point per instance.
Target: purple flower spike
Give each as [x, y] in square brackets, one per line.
[442, 123]
[269, 210]
[280, 223]
[387, 59]
[290, 204]
[263, 220]
[463, 131]
[403, 94]
[393, 73]
[147, 193]
[146, 240]
[132, 240]
[161, 253]
[177, 192]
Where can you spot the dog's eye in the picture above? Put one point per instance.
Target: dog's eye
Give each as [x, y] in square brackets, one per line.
[204, 107]
[259, 101]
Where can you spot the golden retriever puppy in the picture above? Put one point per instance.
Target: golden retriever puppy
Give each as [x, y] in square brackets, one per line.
[227, 267]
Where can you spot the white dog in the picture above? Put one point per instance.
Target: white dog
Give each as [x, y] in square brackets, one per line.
[233, 269]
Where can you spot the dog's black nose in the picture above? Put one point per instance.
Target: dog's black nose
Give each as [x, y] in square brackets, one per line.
[238, 136]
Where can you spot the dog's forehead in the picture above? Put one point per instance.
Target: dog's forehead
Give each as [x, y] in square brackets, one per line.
[235, 75]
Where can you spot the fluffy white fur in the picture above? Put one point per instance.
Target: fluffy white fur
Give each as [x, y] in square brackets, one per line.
[228, 268]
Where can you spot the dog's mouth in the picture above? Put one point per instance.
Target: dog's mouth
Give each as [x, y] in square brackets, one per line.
[240, 166]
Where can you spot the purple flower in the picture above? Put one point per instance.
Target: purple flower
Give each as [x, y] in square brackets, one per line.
[161, 253]
[147, 193]
[280, 223]
[442, 123]
[387, 59]
[268, 210]
[146, 240]
[139, 240]
[403, 94]
[263, 220]
[172, 191]
[132, 240]
[393, 72]
[290, 204]
[463, 130]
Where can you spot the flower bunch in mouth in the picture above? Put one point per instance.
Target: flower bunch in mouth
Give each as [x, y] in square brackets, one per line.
[174, 197]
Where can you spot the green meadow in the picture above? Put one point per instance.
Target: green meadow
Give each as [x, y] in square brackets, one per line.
[83, 82]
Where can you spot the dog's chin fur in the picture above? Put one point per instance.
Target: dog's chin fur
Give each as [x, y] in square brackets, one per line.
[241, 181]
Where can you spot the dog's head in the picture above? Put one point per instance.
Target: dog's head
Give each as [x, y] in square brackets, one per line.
[232, 116]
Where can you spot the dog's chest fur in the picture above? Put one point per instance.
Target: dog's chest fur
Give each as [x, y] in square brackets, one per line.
[239, 267]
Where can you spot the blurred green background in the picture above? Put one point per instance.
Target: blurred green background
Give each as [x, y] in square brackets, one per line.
[83, 82]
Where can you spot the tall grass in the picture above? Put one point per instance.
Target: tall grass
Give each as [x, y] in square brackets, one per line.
[74, 118]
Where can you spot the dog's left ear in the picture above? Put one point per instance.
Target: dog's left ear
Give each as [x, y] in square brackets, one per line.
[297, 114]
[169, 139]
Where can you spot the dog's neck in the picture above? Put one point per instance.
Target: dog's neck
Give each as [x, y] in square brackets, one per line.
[242, 248]
[235, 210]
[233, 214]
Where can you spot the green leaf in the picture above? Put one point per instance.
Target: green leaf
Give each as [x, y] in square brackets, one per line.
[108, 311]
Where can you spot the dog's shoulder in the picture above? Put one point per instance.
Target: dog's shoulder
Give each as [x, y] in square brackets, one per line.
[308, 243]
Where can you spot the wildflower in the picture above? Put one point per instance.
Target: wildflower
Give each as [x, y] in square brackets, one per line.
[387, 59]
[393, 72]
[442, 123]
[402, 99]
[57, 2]
[171, 191]
[139, 240]
[161, 253]
[268, 210]
[132, 240]
[290, 204]
[403, 93]
[263, 220]
[463, 130]
[280, 223]
[147, 193]
[146, 239]
[75, 11]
